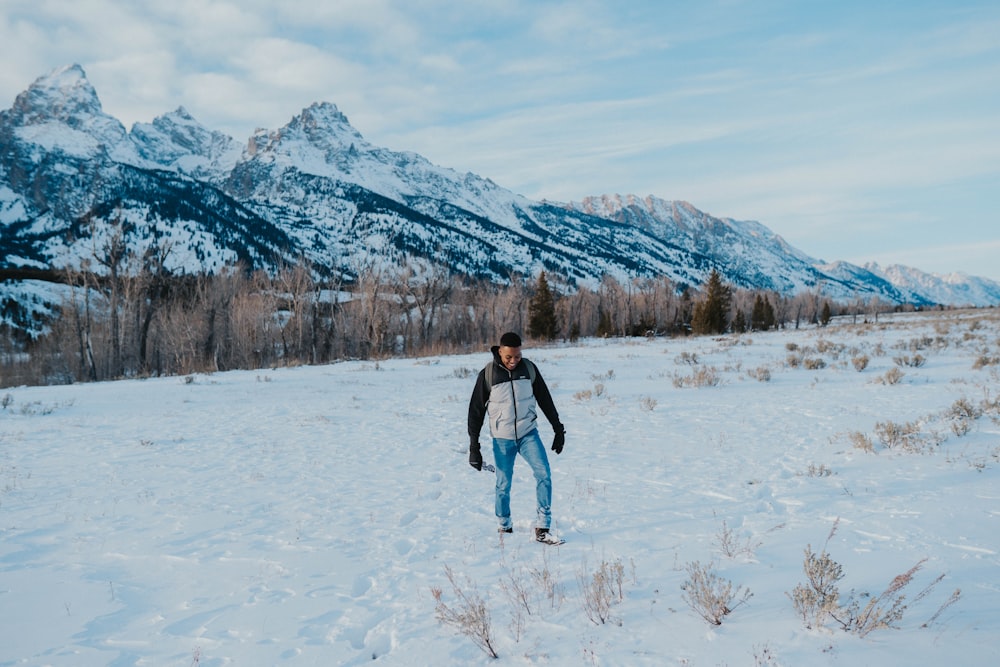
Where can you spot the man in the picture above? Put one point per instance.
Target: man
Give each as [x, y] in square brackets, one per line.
[509, 389]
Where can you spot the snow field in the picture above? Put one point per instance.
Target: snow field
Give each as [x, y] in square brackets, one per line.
[304, 515]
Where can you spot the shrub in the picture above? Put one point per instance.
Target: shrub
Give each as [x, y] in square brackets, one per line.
[819, 597]
[823, 346]
[701, 377]
[519, 590]
[470, 616]
[990, 406]
[602, 590]
[814, 363]
[916, 361]
[733, 545]
[761, 373]
[860, 362]
[709, 595]
[821, 470]
[921, 343]
[882, 611]
[521, 595]
[548, 583]
[899, 436]
[861, 441]
[984, 360]
[818, 600]
[892, 376]
[689, 358]
[962, 415]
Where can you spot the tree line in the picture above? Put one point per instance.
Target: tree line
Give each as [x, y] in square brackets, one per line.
[126, 316]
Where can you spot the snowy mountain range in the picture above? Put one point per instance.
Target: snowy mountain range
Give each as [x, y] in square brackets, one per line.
[315, 190]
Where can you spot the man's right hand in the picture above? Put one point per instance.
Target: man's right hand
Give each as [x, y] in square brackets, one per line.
[475, 456]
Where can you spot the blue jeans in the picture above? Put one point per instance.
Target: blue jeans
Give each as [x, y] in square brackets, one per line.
[532, 450]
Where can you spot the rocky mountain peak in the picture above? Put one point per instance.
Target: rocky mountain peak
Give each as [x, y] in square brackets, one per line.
[65, 98]
[176, 140]
[64, 95]
[321, 126]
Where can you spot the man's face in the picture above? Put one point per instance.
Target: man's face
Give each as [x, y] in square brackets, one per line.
[510, 357]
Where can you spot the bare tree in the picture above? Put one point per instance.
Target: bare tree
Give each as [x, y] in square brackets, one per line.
[296, 292]
[427, 293]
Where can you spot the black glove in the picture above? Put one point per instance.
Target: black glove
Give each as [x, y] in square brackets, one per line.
[559, 440]
[475, 455]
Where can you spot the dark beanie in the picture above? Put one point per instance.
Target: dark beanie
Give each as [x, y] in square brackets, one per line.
[510, 339]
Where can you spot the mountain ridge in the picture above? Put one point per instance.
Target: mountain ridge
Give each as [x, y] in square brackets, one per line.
[316, 189]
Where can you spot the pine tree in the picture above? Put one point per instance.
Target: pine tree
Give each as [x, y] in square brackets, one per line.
[757, 314]
[739, 322]
[542, 311]
[711, 316]
[825, 315]
[770, 320]
[762, 317]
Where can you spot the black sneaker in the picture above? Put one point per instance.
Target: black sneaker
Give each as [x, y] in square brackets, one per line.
[501, 529]
[544, 536]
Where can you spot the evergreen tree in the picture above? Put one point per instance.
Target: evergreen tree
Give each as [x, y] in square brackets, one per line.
[757, 314]
[770, 320]
[762, 317]
[711, 316]
[825, 315]
[542, 311]
[739, 322]
[682, 317]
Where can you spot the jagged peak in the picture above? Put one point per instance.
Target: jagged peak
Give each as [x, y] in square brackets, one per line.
[873, 267]
[657, 206]
[178, 114]
[65, 94]
[180, 121]
[177, 140]
[322, 121]
[321, 125]
[61, 111]
[325, 111]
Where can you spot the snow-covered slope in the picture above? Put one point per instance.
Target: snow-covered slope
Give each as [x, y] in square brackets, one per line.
[951, 288]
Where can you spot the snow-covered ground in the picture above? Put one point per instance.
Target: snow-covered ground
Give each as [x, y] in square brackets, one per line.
[304, 516]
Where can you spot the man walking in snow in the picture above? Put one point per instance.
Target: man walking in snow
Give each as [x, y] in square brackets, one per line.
[510, 389]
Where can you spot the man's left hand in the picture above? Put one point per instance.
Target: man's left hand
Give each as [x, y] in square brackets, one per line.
[558, 442]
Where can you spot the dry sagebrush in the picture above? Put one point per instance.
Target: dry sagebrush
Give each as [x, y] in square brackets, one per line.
[601, 590]
[817, 601]
[710, 596]
[469, 614]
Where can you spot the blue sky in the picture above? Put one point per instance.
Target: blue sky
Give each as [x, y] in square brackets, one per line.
[861, 131]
